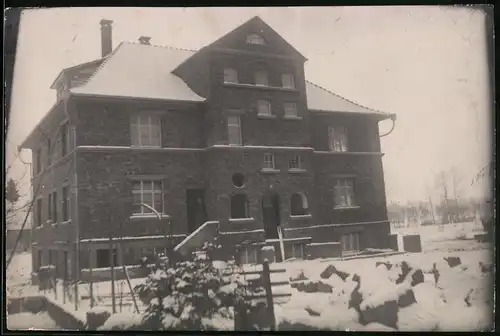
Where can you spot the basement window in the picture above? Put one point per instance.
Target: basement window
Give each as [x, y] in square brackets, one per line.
[239, 206]
[104, 258]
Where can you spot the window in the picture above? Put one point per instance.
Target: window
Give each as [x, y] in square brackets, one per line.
[38, 212]
[238, 180]
[52, 207]
[51, 257]
[230, 76]
[49, 152]
[49, 208]
[64, 139]
[288, 81]
[337, 138]
[295, 163]
[255, 39]
[248, 255]
[146, 131]
[104, 258]
[290, 110]
[350, 241]
[264, 107]
[298, 251]
[38, 161]
[268, 161]
[239, 206]
[298, 205]
[149, 193]
[344, 193]
[261, 78]
[65, 203]
[234, 130]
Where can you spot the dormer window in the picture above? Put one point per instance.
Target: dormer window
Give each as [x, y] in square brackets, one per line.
[230, 76]
[255, 39]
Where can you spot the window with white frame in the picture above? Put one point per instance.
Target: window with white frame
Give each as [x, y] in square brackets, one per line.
[268, 161]
[298, 205]
[149, 192]
[234, 130]
[295, 163]
[255, 39]
[350, 242]
[290, 110]
[146, 130]
[261, 78]
[230, 76]
[344, 193]
[65, 203]
[288, 81]
[52, 207]
[337, 138]
[264, 107]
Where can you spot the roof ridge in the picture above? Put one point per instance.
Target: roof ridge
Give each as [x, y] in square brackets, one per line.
[106, 60]
[350, 101]
[160, 46]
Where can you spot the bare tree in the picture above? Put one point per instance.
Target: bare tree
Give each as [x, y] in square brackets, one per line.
[456, 179]
[442, 185]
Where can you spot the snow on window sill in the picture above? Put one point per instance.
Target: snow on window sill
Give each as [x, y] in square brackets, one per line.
[65, 222]
[347, 207]
[308, 216]
[148, 216]
[259, 86]
[234, 220]
[144, 147]
[269, 170]
[296, 171]
[266, 116]
[292, 117]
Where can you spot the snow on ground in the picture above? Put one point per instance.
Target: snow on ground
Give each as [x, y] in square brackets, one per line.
[41, 321]
[439, 306]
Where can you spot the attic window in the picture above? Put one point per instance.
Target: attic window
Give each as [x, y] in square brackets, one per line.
[255, 39]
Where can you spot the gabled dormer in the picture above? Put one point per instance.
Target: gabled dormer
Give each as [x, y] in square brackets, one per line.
[256, 36]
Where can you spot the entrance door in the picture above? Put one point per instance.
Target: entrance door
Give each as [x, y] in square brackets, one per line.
[196, 211]
[271, 215]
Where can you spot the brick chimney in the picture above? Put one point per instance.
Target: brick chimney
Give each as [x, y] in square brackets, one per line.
[106, 37]
[145, 40]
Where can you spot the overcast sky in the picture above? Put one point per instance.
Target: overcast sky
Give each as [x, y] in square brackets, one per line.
[426, 64]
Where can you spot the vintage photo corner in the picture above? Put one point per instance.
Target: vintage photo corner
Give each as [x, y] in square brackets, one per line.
[250, 168]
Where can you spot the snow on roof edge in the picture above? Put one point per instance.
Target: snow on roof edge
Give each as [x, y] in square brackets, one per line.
[348, 100]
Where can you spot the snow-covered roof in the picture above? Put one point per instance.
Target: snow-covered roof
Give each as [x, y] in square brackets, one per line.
[145, 71]
[140, 71]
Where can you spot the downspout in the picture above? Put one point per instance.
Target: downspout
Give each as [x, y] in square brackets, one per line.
[393, 119]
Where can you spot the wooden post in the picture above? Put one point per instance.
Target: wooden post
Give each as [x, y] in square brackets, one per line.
[266, 277]
[91, 281]
[112, 259]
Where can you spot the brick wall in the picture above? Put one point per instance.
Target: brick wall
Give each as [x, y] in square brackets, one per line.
[105, 178]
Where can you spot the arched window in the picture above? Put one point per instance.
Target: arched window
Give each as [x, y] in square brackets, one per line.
[298, 205]
[255, 39]
[239, 206]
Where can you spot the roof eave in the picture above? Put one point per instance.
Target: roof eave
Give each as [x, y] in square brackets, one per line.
[380, 115]
[92, 95]
[25, 144]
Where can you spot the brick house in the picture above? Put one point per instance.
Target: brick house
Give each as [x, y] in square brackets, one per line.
[231, 133]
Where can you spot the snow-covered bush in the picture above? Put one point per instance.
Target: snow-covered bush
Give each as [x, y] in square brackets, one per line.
[187, 294]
